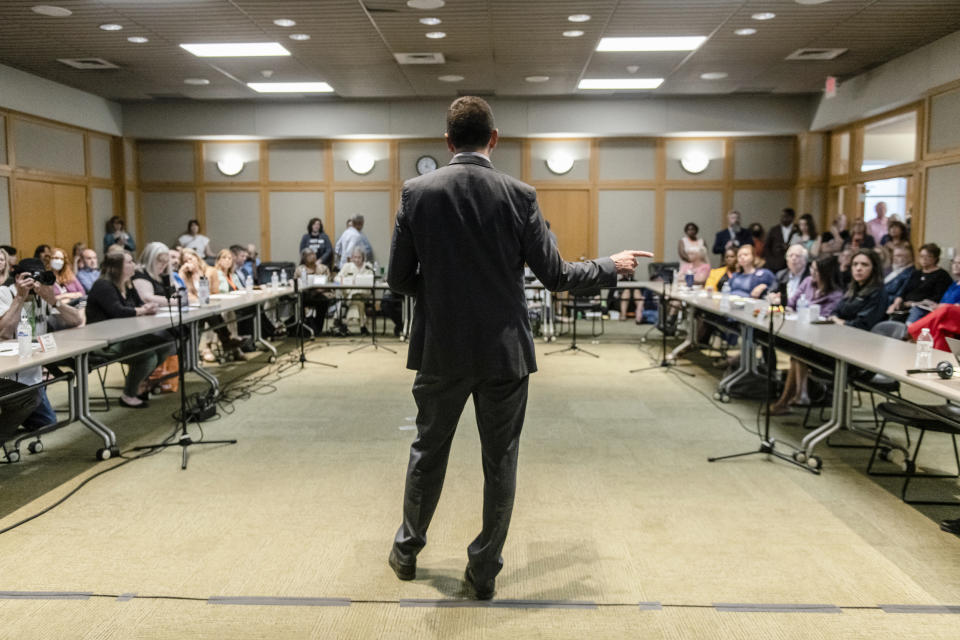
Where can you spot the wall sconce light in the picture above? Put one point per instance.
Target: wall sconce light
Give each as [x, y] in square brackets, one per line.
[560, 163]
[230, 165]
[361, 164]
[695, 162]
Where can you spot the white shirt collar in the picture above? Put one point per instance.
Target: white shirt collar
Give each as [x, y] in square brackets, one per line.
[476, 154]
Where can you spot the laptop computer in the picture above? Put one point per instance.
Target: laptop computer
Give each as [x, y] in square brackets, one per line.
[954, 345]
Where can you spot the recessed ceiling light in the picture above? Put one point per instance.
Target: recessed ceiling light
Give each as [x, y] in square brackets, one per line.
[633, 68]
[579, 17]
[672, 43]
[713, 75]
[450, 78]
[285, 22]
[764, 15]
[425, 4]
[236, 49]
[620, 83]
[745, 32]
[431, 22]
[573, 33]
[299, 37]
[290, 87]
[137, 39]
[436, 35]
[196, 82]
[537, 78]
[51, 11]
[110, 26]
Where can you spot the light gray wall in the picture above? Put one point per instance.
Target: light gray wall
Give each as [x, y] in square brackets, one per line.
[508, 158]
[943, 209]
[165, 215]
[626, 219]
[375, 208]
[101, 210]
[627, 160]
[27, 93]
[409, 152]
[599, 116]
[763, 159]
[704, 208]
[130, 212]
[896, 83]
[944, 116]
[3, 141]
[289, 213]
[50, 148]
[233, 217]
[4, 210]
[761, 205]
[101, 163]
[296, 161]
[166, 161]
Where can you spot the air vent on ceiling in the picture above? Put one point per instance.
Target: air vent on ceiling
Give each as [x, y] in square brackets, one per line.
[87, 64]
[816, 54]
[419, 58]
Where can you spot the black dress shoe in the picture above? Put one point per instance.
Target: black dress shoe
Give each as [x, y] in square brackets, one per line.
[951, 526]
[483, 590]
[403, 571]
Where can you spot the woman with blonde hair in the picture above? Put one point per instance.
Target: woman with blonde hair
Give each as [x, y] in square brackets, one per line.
[67, 287]
[222, 277]
[152, 279]
[5, 267]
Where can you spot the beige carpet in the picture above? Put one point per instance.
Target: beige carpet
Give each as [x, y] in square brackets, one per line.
[616, 506]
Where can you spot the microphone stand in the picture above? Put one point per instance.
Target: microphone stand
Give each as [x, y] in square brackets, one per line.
[301, 312]
[768, 444]
[185, 441]
[665, 362]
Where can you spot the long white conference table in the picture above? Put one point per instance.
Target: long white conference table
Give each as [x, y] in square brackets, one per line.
[846, 346]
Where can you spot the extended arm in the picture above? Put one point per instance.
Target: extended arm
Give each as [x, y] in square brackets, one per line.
[402, 274]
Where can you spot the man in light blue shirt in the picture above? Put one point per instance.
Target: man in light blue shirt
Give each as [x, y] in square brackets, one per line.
[89, 269]
[353, 237]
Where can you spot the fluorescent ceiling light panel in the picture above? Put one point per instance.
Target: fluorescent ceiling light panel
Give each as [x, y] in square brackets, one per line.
[290, 87]
[747, 31]
[579, 17]
[573, 33]
[52, 11]
[236, 49]
[669, 43]
[620, 83]
[137, 39]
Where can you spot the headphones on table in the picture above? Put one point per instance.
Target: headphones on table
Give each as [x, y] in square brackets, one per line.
[944, 369]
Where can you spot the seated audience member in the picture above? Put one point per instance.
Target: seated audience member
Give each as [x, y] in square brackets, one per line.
[789, 278]
[196, 241]
[688, 243]
[926, 286]
[698, 266]
[249, 268]
[356, 297]
[6, 269]
[152, 279]
[89, 269]
[860, 238]
[42, 253]
[174, 270]
[319, 241]
[757, 234]
[117, 234]
[239, 259]
[821, 288]
[191, 270]
[901, 269]
[749, 281]
[833, 240]
[719, 276]
[11, 254]
[223, 279]
[864, 304]
[620, 298]
[76, 253]
[45, 313]
[114, 250]
[807, 235]
[778, 239]
[897, 236]
[844, 259]
[314, 298]
[67, 287]
[733, 236]
[113, 296]
[944, 321]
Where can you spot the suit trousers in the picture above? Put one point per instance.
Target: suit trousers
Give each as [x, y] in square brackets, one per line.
[500, 405]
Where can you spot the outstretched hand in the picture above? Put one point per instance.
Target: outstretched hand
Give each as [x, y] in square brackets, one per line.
[626, 261]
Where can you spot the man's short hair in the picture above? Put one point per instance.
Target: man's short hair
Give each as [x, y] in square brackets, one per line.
[236, 248]
[469, 123]
[357, 219]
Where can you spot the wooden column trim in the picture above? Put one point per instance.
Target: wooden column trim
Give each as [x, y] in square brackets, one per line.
[660, 200]
[264, 152]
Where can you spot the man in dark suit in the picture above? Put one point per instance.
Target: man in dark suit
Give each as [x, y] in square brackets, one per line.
[462, 236]
[733, 236]
[778, 239]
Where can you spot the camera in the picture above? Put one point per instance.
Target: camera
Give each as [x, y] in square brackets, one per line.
[46, 278]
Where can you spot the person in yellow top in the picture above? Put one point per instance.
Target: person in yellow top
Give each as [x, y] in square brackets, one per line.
[719, 276]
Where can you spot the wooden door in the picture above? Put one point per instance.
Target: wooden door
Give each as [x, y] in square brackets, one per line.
[568, 211]
[49, 213]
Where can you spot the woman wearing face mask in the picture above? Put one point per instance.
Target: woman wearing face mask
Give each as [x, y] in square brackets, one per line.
[67, 287]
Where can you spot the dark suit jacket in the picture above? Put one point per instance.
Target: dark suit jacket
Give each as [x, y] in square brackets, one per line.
[783, 276]
[775, 250]
[723, 237]
[462, 235]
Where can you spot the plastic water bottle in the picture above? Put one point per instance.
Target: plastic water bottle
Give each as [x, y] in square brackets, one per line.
[248, 284]
[725, 297]
[376, 268]
[283, 277]
[924, 350]
[24, 337]
[203, 290]
[803, 309]
[274, 280]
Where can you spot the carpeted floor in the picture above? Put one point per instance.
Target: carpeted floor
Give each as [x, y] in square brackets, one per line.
[621, 526]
